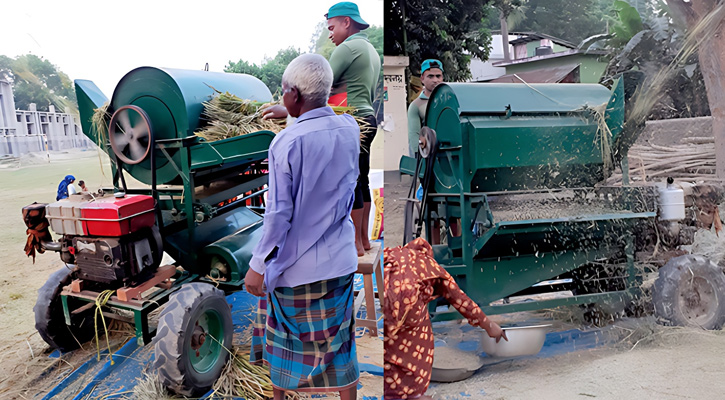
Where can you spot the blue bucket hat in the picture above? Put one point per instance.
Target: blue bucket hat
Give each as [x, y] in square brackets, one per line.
[347, 9]
[430, 63]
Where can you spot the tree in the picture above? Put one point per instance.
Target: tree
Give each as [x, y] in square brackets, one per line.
[704, 18]
[270, 71]
[568, 20]
[452, 31]
[395, 38]
[36, 80]
[652, 45]
[506, 8]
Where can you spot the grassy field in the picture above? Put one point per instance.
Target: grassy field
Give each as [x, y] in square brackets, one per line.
[24, 181]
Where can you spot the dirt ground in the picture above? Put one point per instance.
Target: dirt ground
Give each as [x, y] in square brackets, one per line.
[654, 362]
[23, 354]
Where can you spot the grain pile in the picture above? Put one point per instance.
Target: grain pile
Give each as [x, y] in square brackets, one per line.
[446, 357]
[550, 205]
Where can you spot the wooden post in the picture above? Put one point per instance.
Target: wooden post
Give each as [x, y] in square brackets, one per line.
[711, 56]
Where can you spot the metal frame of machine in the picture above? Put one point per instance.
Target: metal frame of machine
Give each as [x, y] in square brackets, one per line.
[207, 206]
[210, 232]
[486, 141]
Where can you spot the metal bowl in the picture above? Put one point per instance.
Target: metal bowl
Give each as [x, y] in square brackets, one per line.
[443, 372]
[450, 375]
[522, 341]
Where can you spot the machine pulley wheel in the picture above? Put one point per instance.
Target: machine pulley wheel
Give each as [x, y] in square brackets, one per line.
[129, 133]
[195, 329]
[427, 141]
[690, 291]
[49, 318]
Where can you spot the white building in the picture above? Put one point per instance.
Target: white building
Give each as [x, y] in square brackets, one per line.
[522, 45]
[483, 71]
[31, 131]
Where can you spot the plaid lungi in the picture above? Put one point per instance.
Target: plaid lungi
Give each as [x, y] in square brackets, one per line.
[306, 336]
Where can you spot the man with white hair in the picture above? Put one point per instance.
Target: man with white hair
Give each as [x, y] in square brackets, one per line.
[306, 258]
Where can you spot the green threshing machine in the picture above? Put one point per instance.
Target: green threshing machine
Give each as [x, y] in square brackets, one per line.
[514, 202]
[202, 206]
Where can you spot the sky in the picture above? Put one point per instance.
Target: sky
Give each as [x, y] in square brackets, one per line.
[102, 40]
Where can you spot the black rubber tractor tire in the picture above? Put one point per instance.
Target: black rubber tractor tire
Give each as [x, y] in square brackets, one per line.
[175, 339]
[690, 291]
[49, 318]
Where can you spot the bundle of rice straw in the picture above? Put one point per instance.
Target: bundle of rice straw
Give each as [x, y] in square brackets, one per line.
[230, 116]
[240, 378]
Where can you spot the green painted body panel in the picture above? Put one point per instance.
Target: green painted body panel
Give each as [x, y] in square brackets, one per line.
[493, 98]
[218, 236]
[89, 98]
[236, 250]
[503, 129]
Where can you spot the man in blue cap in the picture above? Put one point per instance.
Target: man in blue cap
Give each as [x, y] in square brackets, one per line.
[431, 75]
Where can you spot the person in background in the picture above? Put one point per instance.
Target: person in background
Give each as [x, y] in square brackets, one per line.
[65, 188]
[356, 70]
[82, 185]
[356, 66]
[412, 280]
[306, 257]
[431, 75]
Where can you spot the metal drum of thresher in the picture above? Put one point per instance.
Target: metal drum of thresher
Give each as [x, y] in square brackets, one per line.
[516, 136]
[168, 102]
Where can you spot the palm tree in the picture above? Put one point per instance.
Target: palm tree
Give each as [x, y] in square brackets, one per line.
[506, 8]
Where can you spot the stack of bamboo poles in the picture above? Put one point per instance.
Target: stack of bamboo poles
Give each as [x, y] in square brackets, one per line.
[692, 161]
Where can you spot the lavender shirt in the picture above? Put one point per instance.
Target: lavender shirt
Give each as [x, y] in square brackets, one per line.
[313, 169]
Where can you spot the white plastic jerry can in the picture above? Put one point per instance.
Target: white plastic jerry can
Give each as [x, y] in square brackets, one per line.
[672, 202]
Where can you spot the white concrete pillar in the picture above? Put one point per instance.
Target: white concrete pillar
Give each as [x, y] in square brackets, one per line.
[395, 123]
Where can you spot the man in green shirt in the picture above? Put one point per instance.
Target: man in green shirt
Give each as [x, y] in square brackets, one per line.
[356, 69]
[431, 75]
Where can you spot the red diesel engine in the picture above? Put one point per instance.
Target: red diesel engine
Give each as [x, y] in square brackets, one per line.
[111, 238]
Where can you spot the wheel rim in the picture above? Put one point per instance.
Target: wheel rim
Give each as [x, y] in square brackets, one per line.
[698, 300]
[205, 346]
[130, 134]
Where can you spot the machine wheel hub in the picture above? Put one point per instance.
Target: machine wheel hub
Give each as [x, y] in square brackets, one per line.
[698, 300]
